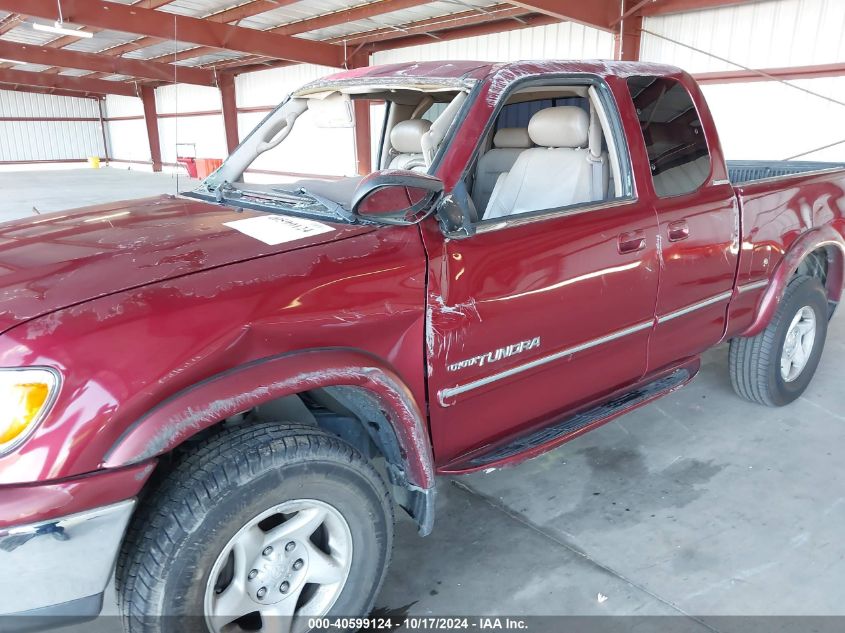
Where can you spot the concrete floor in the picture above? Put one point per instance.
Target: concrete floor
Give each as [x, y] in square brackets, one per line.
[65, 189]
[699, 505]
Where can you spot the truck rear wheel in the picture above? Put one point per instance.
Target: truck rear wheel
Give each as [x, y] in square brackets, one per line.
[776, 366]
[262, 528]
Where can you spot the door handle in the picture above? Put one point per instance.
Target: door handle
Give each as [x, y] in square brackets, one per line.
[678, 231]
[631, 242]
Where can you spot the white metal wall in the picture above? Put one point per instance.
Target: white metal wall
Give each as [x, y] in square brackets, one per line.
[48, 140]
[308, 149]
[565, 40]
[763, 120]
[206, 133]
[128, 138]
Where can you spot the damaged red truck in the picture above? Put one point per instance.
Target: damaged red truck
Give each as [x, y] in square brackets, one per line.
[222, 395]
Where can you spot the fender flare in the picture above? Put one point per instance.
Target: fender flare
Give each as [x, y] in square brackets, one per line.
[204, 404]
[821, 237]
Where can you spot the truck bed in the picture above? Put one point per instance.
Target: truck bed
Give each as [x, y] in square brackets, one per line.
[743, 171]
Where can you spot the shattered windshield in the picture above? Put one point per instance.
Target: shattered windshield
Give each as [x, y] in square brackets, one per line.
[304, 158]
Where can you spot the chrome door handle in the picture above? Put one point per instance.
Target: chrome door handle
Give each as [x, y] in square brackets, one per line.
[631, 242]
[678, 231]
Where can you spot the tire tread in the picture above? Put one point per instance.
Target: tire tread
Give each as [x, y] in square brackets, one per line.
[178, 501]
[750, 358]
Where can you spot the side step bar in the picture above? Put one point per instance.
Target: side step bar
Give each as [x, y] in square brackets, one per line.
[548, 437]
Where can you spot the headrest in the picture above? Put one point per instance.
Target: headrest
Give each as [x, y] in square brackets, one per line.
[516, 137]
[563, 126]
[406, 136]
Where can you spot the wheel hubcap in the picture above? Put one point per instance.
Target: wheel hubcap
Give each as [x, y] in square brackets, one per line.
[798, 345]
[286, 565]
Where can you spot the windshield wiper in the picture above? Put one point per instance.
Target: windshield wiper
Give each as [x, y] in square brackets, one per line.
[223, 188]
[330, 205]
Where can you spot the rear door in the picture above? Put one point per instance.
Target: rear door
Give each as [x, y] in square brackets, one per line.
[698, 233]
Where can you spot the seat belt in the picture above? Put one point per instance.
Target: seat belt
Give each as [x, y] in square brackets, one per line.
[597, 176]
[594, 157]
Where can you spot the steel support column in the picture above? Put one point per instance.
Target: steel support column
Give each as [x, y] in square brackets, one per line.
[626, 45]
[148, 97]
[363, 132]
[230, 110]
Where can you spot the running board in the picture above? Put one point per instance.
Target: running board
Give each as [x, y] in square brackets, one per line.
[548, 437]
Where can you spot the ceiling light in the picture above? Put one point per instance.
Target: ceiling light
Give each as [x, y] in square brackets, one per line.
[59, 28]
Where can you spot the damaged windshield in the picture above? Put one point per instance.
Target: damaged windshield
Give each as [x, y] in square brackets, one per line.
[304, 157]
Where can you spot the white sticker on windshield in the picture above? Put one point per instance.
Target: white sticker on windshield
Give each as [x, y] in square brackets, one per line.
[278, 229]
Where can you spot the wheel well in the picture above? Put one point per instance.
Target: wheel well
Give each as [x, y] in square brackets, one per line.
[349, 412]
[825, 264]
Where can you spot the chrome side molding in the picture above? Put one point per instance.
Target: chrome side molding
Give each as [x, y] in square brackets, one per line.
[451, 392]
[695, 306]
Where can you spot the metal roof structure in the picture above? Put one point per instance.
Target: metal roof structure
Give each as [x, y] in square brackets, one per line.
[146, 43]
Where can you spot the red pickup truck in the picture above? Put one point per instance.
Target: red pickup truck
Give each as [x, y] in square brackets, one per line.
[224, 394]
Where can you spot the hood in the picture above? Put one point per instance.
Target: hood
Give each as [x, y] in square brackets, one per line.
[54, 261]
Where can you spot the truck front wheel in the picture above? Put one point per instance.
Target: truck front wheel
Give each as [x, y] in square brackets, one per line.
[262, 528]
[776, 366]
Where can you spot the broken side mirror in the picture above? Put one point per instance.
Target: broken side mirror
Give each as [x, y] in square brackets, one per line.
[456, 213]
[396, 196]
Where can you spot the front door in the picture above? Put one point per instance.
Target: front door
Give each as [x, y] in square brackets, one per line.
[531, 317]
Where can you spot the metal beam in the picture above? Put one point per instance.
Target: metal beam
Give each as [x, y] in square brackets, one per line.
[49, 91]
[433, 26]
[226, 16]
[111, 15]
[487, 28]
[360, 12]
[596, 13]
[626, 42]
[63, 82]
[61, 42]
[363, 131]
[630, 10]
[10, 22]
[772, 74]
[230, 111]
[148, 98]
[106, 64]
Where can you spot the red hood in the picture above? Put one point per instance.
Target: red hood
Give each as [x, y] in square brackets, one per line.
[53, 261]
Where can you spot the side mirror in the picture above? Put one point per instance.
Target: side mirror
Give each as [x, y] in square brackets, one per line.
[456, 213]
[396, 196]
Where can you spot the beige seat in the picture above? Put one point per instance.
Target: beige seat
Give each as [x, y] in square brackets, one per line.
[560, 172]
[683, 178]
[406, 143]
[508, 144]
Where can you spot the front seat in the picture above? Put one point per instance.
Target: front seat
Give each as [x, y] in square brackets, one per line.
[508, 144]
[558, 173]
[406, 144]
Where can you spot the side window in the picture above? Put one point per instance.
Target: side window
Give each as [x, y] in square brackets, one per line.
[674, 138]
[549, 148]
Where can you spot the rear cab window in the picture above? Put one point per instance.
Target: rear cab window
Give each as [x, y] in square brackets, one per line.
[673, 135]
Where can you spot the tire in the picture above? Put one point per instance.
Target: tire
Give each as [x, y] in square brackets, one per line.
[206, 505]
[755, 362]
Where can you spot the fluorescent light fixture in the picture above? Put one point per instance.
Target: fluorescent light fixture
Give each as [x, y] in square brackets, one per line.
[58, 28]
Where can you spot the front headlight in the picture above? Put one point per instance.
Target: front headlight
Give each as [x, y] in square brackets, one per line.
[25, 396]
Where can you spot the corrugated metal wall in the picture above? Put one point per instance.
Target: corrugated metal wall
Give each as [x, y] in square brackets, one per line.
[206, 133]
[565, 40]
[305, 149]
[127, 138]
[763, 120]
[29, 139]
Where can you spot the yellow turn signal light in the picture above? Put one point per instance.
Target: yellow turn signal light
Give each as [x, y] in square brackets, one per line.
[24, 397]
